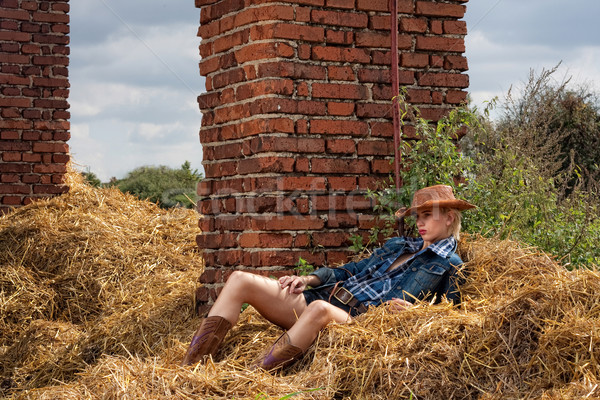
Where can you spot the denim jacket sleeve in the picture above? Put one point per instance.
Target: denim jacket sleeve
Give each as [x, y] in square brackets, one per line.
[429, 275]
[330, 276]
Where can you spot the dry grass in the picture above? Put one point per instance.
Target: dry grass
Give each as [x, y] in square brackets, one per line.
[96, 303]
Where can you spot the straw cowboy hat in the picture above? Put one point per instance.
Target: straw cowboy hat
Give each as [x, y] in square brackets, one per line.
[440, 196]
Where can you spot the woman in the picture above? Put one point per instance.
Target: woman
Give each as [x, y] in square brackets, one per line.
[397, 274]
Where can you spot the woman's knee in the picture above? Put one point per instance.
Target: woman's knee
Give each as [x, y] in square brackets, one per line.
[239, 276]
[319, 310]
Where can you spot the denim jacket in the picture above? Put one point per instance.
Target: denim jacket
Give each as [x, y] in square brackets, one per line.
[427, 274]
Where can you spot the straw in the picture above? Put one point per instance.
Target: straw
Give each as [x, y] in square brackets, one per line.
[96, 301]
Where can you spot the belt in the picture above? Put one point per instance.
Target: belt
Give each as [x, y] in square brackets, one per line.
[344, 296]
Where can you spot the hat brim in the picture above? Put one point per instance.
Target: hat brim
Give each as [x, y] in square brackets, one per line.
[429, 205]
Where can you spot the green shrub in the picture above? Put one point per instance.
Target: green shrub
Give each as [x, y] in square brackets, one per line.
[513, 169]
[165, 186]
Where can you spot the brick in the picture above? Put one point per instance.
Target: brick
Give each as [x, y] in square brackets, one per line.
[340, 18]
[265, 240]
[339, 91]
[342, 202]
[340, 109]
[413, 25]
[219, 9]
[345, 73]
[329, 53]
[302, 89]
[345, 127]
[456, 97]
[343, 183]
[333, 36]
[49, 168]
[301, 183]
[15, 124]
[9, 135]
[382, 166]
[382, 92]
[233, 258]
[266, 164]
[456, 63]
[50, 17]
[339, 166]
[261, 51]
[228, 78]
[345, 4]
[13, 189]
[337, 258]
[375, 148]
[436, 9]
[288, 31]
[342, 220]
[286, 222]
[330, 239]
[372, 110]
[373, 5]
[418, 96]
[11, 157]
[20, 15]
[435, 27]
[414, 60]
[444, 80]
[436, 43]
[292, 70]
[455, 27]
[264, 87]
[264, 13]
[373, 39]
[227, 42]
[343, 146]
[11, 201]
[15, 36]
[265, 144]
[433, 114]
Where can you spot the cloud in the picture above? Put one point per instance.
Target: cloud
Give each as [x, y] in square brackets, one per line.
[134, 83]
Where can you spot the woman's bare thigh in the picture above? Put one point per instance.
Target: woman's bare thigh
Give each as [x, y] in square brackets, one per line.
[264, 294]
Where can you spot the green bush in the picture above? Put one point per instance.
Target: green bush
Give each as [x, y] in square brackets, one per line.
[165, 186]
[513, 169]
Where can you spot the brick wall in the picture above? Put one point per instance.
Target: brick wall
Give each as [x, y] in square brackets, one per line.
[34, 123]
[297, 121]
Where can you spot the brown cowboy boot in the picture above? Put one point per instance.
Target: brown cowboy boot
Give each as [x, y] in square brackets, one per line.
[207, 339]
[281, 354]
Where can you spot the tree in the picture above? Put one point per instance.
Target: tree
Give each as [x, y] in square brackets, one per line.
[163, 185]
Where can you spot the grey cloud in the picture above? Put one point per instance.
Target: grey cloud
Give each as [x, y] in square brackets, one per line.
[561, 24]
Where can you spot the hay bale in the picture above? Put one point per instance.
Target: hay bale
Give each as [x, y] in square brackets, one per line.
[96, 303]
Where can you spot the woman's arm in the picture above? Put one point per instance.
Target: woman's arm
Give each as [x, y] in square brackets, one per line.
[297, 284]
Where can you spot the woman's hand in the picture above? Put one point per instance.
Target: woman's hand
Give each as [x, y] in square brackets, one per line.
[296, 283]
[398, 305]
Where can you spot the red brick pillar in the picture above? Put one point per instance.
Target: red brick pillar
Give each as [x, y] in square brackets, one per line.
[297, 121]
[34, 82]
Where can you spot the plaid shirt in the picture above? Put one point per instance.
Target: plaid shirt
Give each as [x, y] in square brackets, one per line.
[372, 285]
[370, 281]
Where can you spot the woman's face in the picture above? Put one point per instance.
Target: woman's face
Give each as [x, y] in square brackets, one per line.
[434, 225]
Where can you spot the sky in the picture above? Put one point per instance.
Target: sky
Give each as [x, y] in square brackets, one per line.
[135, 80]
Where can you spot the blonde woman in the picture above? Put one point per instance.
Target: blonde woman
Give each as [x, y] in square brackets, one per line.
[397, 274]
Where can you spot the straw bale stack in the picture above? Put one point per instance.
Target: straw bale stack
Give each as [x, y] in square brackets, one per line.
[96, 302]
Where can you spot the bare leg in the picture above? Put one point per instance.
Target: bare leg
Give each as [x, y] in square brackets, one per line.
[264, 294]
[316, 316]
[292, 344]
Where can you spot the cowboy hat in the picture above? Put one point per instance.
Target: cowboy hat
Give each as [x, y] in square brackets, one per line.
[440, 196]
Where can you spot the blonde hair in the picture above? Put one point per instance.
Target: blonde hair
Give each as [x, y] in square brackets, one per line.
[455, 227]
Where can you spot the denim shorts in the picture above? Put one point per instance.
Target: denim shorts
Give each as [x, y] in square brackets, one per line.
[311, 295]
